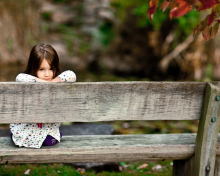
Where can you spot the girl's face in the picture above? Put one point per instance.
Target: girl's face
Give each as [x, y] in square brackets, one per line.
[45, 72]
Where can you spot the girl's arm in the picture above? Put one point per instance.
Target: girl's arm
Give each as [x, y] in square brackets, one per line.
[22, 77]
[66, 76]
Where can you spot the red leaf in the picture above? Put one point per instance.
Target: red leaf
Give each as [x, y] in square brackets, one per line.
[153, 5]
[214, 30]
[184, 7]
[211, 18]
[206, 33]
[164, 5]
[173, 5]
[206, 4]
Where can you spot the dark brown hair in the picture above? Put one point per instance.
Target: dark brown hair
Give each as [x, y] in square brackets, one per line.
[40, 52]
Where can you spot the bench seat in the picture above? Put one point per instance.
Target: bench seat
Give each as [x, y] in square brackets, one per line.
[104, 148]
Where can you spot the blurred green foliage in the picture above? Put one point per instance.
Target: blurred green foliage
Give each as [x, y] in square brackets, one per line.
[208, 74]
[155, 127]
[76, 42]
[106, 33]
[139, 8]
[47, 16]
[10, 44]
[62, 1]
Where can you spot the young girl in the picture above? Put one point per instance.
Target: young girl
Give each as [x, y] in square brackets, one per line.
[43, 66]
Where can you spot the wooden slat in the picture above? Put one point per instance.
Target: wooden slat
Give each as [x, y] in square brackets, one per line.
[184, 167]
[103, 148]
[100, 101]
[217, 166]
[207, 135]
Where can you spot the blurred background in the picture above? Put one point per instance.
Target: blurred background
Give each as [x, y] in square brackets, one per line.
[107, 40]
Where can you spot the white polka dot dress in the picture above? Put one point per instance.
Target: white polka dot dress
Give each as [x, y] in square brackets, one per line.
[30, 135]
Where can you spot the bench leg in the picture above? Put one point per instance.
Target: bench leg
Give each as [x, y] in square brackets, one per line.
[183, 167]
[207, 135]
[217, 166]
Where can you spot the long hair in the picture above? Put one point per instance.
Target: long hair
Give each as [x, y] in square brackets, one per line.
[40, 52]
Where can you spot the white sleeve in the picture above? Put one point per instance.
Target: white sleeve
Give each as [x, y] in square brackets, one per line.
[22, 77]
[68, 76]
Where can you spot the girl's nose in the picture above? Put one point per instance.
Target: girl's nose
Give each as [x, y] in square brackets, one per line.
[46, 73]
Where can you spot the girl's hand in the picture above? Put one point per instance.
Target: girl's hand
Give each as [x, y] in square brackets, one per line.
[57, 79]
[40, 80]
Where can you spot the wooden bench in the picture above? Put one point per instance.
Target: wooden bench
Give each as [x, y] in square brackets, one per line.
[109, 101]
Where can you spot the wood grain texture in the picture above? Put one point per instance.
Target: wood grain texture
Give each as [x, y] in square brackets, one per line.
[103, 148]
[184, 167]
[217, 166]
[100, 101]
[207, 135]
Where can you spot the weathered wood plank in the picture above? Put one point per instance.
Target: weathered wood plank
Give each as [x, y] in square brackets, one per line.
[103, 148]
[100, 101]
[184, 167]
[217, 166]
[207, 135]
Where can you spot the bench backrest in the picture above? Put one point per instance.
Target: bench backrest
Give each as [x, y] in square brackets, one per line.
[100, 101]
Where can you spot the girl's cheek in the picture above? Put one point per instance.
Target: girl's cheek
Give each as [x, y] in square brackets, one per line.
[51, 72]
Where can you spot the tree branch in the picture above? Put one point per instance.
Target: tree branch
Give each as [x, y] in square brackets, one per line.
[163, 65]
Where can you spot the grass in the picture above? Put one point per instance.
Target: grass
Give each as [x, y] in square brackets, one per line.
[133, 168]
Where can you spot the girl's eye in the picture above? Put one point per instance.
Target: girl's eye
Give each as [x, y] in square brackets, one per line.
[41, 69]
